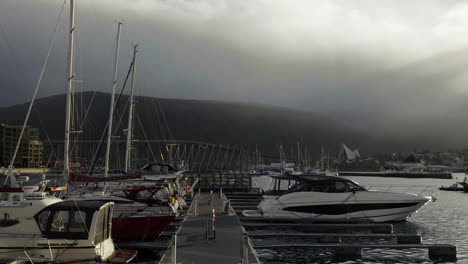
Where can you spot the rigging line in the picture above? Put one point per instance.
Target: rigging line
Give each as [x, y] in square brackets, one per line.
[83, 121]
[121, 116]
[47, 136]
[165, 120]
[144, 133]
[11, 53]
[152, 123]
[93, 164]
[37, 87]
[163, 136]
[156, 110]
[161, 129]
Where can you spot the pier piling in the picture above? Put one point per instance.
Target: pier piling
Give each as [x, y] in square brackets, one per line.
[174, 249]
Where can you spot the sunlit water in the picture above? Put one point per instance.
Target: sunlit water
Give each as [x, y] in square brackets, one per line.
[441, 222]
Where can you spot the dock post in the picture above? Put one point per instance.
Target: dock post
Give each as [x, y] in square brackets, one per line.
[210, 229]
[348, 252]
[195, 211]
[443, 252]
[211, 200]
[245, 249]
[226, 207]
[174, 250]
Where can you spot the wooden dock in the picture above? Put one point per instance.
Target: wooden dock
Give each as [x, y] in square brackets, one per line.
[230, 182]
[192, 245]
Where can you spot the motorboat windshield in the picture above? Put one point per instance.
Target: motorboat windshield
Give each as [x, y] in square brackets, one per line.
[327, 184]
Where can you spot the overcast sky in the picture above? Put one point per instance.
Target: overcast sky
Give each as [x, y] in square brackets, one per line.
[391, 57]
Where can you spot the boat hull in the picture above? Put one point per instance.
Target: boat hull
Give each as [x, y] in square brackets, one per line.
[368, 205]
[139, 228]
[70, 251]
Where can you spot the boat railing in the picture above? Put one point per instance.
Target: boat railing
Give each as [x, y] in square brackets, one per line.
[423, 190]
[170, 254]
[247, 249]
[16, 235]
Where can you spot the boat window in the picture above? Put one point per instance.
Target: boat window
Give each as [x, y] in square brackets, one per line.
[340, 187]
[320, 186]
[68, 224]
[7, 221]
[78, 221]
[4, 196]
[16, 197]
[60, 222]
[42, 220]
[353, 187]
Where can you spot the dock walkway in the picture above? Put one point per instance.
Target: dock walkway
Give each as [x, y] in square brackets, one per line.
[192, 245]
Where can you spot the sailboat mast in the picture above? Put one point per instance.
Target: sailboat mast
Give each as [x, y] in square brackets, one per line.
[70, 76]
[130, 114]
[322, 162]
[111, 112]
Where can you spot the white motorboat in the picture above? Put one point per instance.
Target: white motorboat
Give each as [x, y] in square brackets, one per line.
[323, 197]
[64, 231]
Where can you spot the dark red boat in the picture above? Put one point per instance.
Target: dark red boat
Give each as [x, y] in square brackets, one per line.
[139, 228]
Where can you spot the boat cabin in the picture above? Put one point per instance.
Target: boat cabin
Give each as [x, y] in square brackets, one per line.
[158, 168]
[317, 183]
[88, 220]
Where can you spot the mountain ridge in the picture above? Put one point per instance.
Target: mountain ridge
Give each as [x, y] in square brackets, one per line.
[216, 122]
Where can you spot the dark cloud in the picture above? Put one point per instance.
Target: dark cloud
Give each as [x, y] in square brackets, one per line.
[389, 60]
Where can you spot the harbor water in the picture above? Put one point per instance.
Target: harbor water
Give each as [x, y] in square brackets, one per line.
[444, 221]
[441, 222]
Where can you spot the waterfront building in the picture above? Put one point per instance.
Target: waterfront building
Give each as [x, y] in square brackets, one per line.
[30, 151]
[348, 154]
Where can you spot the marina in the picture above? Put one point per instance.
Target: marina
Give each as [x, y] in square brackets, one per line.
[91, 177]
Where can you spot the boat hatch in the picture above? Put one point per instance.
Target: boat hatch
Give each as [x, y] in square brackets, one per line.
[67, 219]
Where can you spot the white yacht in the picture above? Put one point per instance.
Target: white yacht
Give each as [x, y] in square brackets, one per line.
[41, 226]
[324, 197]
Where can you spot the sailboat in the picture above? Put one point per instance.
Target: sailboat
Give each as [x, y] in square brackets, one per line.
[146, 223]
[39, 225]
